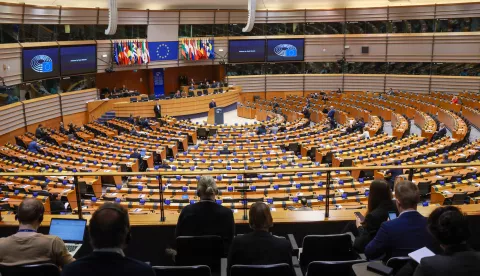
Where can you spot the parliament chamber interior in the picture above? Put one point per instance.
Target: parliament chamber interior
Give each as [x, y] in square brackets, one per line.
[240, 137]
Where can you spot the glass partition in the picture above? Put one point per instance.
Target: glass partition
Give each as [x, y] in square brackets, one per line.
[285, 28]
[38, 33]
[258, 30]
[366, 27]
[456, 69]
[322, 68]
[9, 94]
[409, 68]
[196, 30]
[284, 68]
[9, 33]
[411, 26]
[245, 69]
[41, 88]
[76, 83]
[458, 25]
[76, 32]
[366, 67]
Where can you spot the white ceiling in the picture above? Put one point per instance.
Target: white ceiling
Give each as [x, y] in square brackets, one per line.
[236, 4]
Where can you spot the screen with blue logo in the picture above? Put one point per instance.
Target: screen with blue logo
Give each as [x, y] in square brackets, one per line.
[246, 51]
[285, 50]
[40, 63]
[71, 230]
[77, 60]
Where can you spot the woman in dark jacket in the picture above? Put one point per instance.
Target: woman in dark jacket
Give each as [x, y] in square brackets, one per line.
[379, 204]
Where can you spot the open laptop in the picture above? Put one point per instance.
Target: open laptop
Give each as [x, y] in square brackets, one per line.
[71, 231]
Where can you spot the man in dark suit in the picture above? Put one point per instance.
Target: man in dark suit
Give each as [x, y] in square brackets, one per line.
[225, 150]
[446, 160]
[212, 104]
[450, 227]
[109, 234]
[39, 132]
[259, 247]
[442, 131]
[404, 234]
[131, 120]
[393, 174]
[331, 113]
[158, 111]
[206, 217]
[306, 113]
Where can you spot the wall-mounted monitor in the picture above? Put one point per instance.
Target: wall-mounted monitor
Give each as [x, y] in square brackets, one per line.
[40, 63]
[279, 50]
[78, 60]
[251, 50]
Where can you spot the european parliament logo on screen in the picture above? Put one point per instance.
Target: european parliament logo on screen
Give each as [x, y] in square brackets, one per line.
[167, 50]
[42, 64]
[286, 50]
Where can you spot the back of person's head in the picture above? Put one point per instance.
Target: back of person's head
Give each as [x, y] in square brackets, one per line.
[379, 192]
[30, 211]
[448, 225]
[304, 201]
[206, 187]
[260, 217]
[407, 194]
[445, 156]
[109, 227]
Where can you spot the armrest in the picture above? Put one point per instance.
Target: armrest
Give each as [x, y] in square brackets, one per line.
[352, 237]
[293, 242]
[223, 267]
[296, 267]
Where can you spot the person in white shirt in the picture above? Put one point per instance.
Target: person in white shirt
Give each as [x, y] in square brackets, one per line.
[365, 134]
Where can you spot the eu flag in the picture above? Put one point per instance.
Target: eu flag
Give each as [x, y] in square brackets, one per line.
[163, 50]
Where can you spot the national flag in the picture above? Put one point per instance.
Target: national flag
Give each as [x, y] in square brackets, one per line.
[183, 51]
[139, 53]
[146, 52]
[125, 54]
[115, 53]
[199, 50]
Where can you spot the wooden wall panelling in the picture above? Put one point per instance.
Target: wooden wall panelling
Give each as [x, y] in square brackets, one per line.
[10, 136]
[41, 109]
[248, 83]
[410, 47]
[221, 17]
[78, 16]
[316, 82]
[325, 48]
[457, 47]
[286, 16]
[221, 43]
[455, 84]
[196, 17]
[104, 48]
[132, 17]
[241, 17]
[367, 14]
[41, 15]
[285, 82]
[248, 96]
[375, 42]
[11, 13]
[50, 123]
[133, 79]
[12, 118]
[198, 73]
[407, 83]
[337, 15]
[163, 17]
[80, 118]
[76, 102]
[11, 56]
[364, 82]
[458, 10]
[412, 12]
[103, 17]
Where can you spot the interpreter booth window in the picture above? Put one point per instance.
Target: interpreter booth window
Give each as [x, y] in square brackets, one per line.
[322, 68]
[245, 69]
[456, 69]
[38, 33]
[196, 30]
[458, 25]
[365, 67]
[316, 28]
[123, 32]
[9, 94]
[409, 68]
[284, 68]
[258, 30]
[220, 30]
[411, 26]
[38, 89]
[366, 27]
[9, 33]
[77, 83]
[284, 29]
[76, 32]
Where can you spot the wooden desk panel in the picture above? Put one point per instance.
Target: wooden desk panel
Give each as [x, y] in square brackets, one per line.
[176, 107]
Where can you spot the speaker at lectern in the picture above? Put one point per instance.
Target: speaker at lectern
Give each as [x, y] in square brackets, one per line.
[215, 116]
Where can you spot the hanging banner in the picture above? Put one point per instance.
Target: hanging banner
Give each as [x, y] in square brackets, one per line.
[158, 82]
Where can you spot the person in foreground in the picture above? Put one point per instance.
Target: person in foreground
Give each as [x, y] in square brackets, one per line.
[259, 247]
[206, 217]
[109, 231]
[29, 247]
[379, 204]
[449, 226]
[404, 234]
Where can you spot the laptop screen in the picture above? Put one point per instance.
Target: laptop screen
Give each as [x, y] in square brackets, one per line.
[69, 230]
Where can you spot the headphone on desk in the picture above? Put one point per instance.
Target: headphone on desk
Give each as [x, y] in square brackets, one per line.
[123, 214]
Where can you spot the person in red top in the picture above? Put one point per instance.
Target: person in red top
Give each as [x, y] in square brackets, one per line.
[455, 100]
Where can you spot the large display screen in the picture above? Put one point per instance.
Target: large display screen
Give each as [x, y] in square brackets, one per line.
[246, 51]
[40, 63]
[77, 60]
[285, 50]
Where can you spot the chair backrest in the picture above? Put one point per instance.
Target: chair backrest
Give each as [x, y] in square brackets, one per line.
[197, 270]
[200, 250]
[30, 269]
[397, 263]
[261, 270]
[459, 198]
[343, 268]
[327, 248]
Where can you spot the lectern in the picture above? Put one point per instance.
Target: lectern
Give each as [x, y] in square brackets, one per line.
[215, 116]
